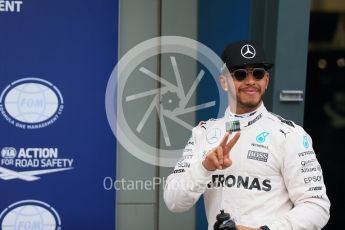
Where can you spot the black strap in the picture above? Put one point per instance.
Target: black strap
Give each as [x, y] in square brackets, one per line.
[264, 227]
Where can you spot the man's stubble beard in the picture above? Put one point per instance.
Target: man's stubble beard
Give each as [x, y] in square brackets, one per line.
[249, 104]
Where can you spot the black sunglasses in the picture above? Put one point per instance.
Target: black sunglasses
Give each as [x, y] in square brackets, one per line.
[241, 74]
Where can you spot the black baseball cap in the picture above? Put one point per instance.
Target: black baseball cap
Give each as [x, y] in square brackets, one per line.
[242, 53]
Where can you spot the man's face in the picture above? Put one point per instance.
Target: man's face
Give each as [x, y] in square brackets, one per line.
[249, 86]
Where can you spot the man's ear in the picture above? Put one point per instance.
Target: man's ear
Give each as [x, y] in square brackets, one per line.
[223, 82]
[267, 80]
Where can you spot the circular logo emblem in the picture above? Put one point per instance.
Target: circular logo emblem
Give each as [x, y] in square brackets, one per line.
[213, 135]
[30, 214]
[8, 152]
[31, 103]
[248, 51]
[168, 102]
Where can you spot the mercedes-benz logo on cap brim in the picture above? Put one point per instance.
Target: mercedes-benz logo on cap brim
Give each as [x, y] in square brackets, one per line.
[248, 51]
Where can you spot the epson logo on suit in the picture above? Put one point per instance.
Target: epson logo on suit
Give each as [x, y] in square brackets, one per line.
[307, 180]
[10, 6]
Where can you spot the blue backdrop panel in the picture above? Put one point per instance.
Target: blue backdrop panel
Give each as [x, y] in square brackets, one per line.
[220, 22]
[56, 144]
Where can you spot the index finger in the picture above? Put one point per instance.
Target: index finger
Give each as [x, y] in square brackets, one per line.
[231, 143]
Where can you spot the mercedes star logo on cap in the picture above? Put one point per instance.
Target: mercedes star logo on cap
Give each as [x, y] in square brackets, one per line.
[248, 51]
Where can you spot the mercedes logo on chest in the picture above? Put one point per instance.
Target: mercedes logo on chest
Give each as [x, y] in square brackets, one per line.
[213, 135]
[248, 51]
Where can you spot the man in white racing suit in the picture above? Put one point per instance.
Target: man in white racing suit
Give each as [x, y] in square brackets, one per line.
[264, 173]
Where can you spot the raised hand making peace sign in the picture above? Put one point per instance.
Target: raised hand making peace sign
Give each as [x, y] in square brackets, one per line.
[218, 158]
